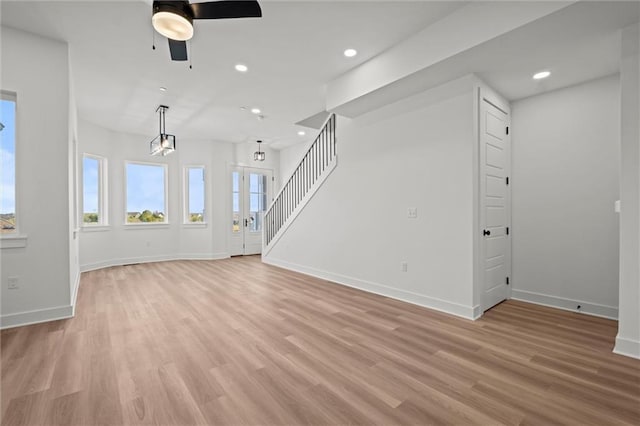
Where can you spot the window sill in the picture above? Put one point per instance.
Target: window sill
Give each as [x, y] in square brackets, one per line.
[13, 241]
[95, 228]
[146, 225]
[194, 224]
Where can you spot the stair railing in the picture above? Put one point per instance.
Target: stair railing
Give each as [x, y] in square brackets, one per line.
[309, 173]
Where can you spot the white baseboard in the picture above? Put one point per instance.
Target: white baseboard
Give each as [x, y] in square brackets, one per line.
[34, 317]
[566, 304]
[477, 312]
[148, 259]
[20, 319]
[74, 296]
[467, 312]
[627, 347]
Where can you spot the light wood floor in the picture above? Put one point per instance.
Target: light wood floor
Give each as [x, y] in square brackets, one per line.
[239, 342]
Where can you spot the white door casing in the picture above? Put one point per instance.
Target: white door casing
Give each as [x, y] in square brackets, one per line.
[251, 193]
[495, 203]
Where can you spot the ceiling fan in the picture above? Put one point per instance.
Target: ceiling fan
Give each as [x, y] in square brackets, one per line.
[174, 18]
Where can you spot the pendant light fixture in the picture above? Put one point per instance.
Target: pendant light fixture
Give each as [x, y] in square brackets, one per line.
[258, 155]
[164, 143]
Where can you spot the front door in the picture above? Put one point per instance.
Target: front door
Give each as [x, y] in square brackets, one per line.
[251, 191]
[495, 212]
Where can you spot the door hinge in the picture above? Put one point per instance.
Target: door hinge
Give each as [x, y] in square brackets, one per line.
[507, 129]
[507, 230]
[507, 280]
[507, 180]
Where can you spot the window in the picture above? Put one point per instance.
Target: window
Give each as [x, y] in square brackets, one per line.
[146, 193]
[8, 222]
[194, 194]
[94, 190]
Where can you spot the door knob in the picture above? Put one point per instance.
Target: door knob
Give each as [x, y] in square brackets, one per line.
[486, 232]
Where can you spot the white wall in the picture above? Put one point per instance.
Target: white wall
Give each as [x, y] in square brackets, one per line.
[37, 70]
[119, 244]
[290, 158]
[628, 339]
[355, 230]
[566, 164]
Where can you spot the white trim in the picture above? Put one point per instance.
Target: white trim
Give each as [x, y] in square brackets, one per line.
[244, 190]
[185, 193]
[627, 347]
[308, 196]
[95, 228]
[74, 295]
[146, 225]
[103, 199]
[9, 241]
[34, 317]
[588, 308]
[149, 259]
[467, 312]
[195, 225]
[477, 312]
[10, 96]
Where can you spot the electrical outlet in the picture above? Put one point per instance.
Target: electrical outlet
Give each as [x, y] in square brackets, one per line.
[13, 283]
[404, 266]
[412, 212]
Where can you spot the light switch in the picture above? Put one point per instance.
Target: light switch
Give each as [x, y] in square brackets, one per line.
[412, 212]
[616, 206]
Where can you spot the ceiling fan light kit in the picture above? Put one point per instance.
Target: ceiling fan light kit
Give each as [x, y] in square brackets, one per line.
[172, 25]
[174, 19]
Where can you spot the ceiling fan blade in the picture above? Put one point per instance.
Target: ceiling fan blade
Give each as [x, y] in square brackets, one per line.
[178, 50]
[225, 9]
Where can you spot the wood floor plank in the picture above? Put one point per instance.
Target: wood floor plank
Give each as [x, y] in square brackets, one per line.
[235, 342]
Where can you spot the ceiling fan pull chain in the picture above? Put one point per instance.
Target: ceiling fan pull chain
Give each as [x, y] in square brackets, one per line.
[153, 38]
[190, 56]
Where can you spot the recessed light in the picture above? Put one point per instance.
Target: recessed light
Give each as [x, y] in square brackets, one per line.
[255, 110]
[163, 89]
[241, 68]
[301, 133]
[350, 53]
[541, 75]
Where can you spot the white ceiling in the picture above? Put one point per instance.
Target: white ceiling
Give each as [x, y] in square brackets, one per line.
[292, 52]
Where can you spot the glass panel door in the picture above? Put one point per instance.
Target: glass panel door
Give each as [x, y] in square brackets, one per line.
[250, 197]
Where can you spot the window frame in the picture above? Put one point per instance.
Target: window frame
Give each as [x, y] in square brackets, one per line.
[103, 215]
[186, 196]
[162, 224]
[14, 239]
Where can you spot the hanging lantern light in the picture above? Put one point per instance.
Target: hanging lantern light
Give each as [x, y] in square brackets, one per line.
[258, 155]
[164, 143]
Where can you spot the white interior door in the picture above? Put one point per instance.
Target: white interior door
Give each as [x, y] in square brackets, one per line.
[495, 204]
[251, 193]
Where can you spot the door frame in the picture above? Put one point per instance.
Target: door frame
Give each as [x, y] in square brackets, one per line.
[481, 93]
[229, 196]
